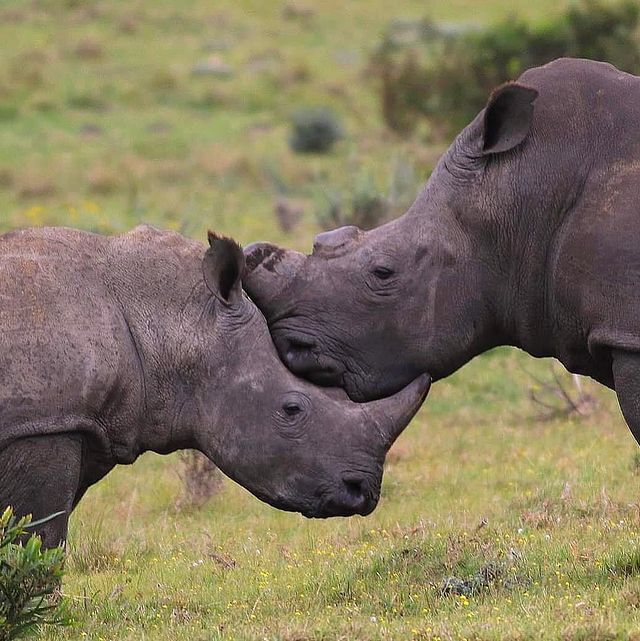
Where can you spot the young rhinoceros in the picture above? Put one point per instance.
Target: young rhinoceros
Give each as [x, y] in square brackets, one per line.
[112, 346]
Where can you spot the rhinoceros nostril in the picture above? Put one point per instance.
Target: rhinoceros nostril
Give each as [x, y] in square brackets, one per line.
[355, 489]
[351, 495]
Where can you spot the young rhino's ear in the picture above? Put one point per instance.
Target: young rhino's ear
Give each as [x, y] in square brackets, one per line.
[222, 268]
[507, 117]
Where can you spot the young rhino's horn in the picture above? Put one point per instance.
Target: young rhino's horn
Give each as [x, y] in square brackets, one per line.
[394, 413]
[336, 240]
[268, 270]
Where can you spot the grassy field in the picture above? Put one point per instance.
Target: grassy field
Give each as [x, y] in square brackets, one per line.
[539, 518]
[494, 523]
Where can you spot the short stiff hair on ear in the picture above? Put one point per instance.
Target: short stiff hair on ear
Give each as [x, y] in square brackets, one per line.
[222, 267]
[507, 117]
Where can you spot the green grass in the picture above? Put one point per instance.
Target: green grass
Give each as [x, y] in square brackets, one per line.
[98, 103]
[545, 510]
[103, 125]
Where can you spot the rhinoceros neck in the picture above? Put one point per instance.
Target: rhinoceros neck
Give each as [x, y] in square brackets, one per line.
[585, 121]
[461, 279]
[527, 311]
[157, 279]
[502, 249]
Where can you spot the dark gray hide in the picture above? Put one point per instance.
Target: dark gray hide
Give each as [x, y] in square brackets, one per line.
[112, 346]
[527, 233]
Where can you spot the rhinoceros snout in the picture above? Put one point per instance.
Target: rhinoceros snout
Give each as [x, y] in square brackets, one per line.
[352, 496]
[299, 353]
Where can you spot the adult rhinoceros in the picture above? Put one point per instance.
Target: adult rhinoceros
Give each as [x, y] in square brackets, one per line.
[527, 233]
[112, 346]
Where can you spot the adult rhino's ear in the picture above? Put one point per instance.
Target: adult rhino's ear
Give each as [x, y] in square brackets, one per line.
[222, 268]
[507, 117]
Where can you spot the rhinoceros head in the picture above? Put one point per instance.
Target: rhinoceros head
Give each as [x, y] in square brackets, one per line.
[294, 445]
[368, 311]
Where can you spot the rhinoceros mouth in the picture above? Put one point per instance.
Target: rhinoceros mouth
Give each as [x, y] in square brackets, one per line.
[351, 496]
[328, 508]
[333, 509]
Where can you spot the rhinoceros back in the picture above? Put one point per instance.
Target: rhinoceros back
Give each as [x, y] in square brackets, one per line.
[64, 356]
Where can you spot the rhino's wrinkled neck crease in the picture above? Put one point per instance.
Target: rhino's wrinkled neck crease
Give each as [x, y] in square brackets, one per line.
[528, 308]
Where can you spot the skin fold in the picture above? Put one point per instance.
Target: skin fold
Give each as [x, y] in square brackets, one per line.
[526, 234]
[113, 346]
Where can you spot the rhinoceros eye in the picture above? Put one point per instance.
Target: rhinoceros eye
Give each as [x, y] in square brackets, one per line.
[292, 414]
[382, 273]
[291, 409]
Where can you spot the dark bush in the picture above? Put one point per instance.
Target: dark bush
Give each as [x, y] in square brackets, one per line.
[443, 76]
[315, 130]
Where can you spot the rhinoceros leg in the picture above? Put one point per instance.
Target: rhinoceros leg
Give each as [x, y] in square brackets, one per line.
[40, 476]
[626, 376]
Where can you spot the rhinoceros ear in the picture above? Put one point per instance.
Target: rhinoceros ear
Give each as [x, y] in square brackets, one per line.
[222, 268]
[507, 117]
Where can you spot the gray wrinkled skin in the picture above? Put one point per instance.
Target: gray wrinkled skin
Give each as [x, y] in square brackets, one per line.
[526, 234]
[112, 346]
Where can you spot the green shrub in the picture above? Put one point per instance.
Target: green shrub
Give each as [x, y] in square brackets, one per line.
[315, 130]
[362, 202]
[330, 209]
[606, 32]
[364, 206]
[29, 579]
[443, 76]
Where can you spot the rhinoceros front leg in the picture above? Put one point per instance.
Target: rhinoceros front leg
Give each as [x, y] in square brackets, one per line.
[40, 476]
[626, 376]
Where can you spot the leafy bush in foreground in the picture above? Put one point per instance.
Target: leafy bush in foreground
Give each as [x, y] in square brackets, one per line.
[444, 75]
[29, 579]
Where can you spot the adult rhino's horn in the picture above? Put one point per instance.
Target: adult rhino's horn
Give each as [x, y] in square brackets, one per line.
[394, 413]
[268, 270]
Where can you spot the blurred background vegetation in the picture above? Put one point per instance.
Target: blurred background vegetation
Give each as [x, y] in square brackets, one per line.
[261, 120]
[510, 506]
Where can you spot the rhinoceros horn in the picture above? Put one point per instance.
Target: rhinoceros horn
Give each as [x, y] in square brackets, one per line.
[336, 241]
[393, 414]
